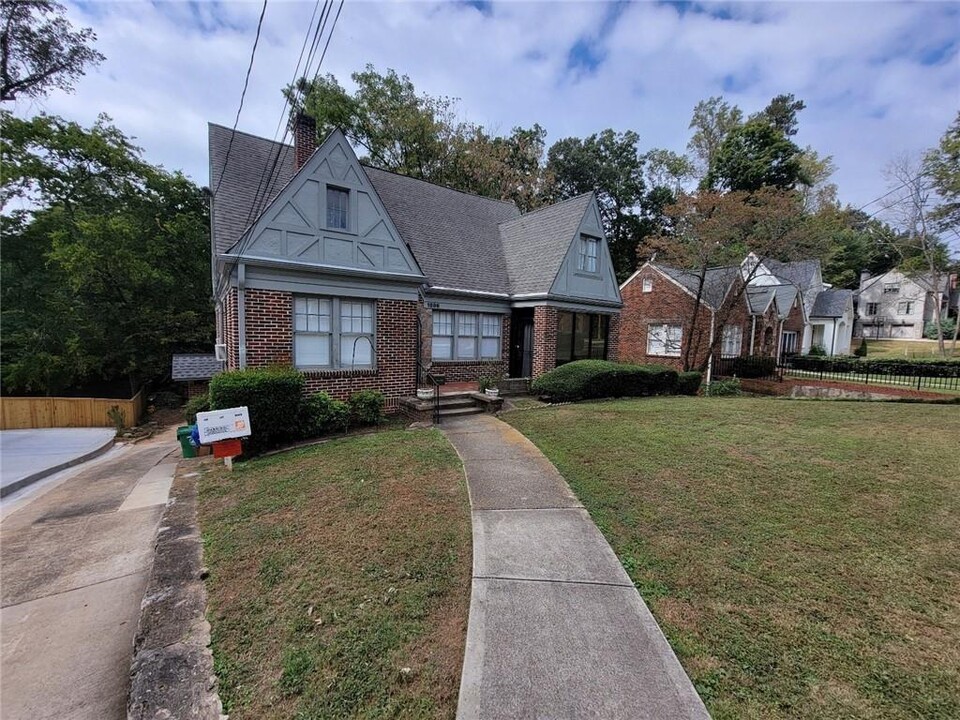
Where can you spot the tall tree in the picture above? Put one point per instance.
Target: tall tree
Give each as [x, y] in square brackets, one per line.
[40, 49]
[781, 112]
[713, 119]
[942, 166]
[107, 273]
[756, 155]
[610, 164]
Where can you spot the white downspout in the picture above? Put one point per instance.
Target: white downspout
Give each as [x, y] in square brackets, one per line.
[241, 316]
[710, 358]
[833, 338]
[779, 341]
[753, 333]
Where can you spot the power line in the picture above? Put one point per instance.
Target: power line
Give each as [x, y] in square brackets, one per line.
[243, 95]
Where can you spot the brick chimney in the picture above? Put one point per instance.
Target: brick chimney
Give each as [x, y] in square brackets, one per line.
[304, 138]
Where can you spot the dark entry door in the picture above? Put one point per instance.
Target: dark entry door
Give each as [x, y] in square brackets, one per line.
[521, 343]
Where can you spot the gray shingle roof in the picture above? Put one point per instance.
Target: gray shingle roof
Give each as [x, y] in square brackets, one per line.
[802, 273]
[454, 235]
[250, 159]
[535, 244]
[716, 281]
[786, 295]
[831, 303]
[195, 367]
[759, 298]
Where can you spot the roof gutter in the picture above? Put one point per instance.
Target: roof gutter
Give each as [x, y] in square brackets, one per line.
[325, 269]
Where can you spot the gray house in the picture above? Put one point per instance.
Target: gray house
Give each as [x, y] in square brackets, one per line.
[363, 278]
[897, 305]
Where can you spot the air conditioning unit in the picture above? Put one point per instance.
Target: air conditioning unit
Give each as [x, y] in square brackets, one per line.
[220, 350]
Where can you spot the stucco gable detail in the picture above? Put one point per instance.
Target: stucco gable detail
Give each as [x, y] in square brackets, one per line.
[575, 283]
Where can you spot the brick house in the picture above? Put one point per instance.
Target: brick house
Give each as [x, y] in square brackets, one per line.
[363, 278]
[784, 308]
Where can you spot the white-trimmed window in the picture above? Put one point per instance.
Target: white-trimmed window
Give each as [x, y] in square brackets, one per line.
[891, 288]
[466, 336]
[872, 308]
[732, 341]
[905, 307]
[788, 345]
[589, 254]
[647, 285]
[333, 333]
[665, 340]
[338, 208]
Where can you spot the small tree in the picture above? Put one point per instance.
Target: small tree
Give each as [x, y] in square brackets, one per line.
[40, 50]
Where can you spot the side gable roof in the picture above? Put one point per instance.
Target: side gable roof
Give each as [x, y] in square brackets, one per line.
[239, 178]
[802, 273]
[194, 366]
[832, 303]
[535, 244]
[430, 216]
[716, 282]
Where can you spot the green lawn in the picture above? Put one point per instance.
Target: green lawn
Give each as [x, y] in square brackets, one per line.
[802, 557]
[340, 579]
[900, 349]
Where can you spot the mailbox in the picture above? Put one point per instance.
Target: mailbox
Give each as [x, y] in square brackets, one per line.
[223, 425]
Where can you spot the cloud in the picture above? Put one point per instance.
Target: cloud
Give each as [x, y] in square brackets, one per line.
[878, 78]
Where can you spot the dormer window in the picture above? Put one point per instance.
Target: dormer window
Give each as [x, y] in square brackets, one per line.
[589, 253]
[891, 288]
[338, 208]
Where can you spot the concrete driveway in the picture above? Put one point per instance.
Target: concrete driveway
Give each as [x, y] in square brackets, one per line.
[28, 455]
[77, 551]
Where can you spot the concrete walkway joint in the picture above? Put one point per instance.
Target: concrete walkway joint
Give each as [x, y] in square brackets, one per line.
[557, 629]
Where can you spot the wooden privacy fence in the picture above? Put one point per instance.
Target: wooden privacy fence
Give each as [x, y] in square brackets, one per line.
[18, 413]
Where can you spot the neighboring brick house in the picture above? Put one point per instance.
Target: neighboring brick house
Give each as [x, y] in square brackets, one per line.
[768, 317]
[365, 279]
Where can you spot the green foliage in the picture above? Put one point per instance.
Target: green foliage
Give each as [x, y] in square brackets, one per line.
[320, 414]
[942, 165]
[756, 155]
[40, 50]
[198, 404]
[688, 383]
[924, 368]
[107, 274]
[817, 351]
[721, 388]
[366, 407]
[861, 350]
[585, 379]
[754, 366]
[118, 417]
[947, 327]
[273, 397]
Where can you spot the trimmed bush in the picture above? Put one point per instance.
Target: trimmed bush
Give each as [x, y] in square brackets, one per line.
[366, 407]
[817, 351]
[585, 379]
[754, 366]
[861, 351]
[724, 388]
[201, 403]
[320, 414]
[688, 383]
[863, 366]
[273, 397]
[947, 325]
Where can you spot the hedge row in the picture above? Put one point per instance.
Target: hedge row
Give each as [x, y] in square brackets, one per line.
[864, 366]
[279, 411]
[586, 379]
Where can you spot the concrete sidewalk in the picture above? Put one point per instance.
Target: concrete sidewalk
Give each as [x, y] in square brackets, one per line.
[557, 629]
[29, 455]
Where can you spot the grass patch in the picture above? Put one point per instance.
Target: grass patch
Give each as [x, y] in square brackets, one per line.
[903, 349]
[803, 558]
[340, 579]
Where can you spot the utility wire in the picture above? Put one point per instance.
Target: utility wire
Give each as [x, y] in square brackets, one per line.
[243, 95]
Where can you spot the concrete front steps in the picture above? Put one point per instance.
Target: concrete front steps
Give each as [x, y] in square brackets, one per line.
[452, 405]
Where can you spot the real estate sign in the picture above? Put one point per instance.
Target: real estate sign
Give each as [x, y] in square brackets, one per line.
[223, 425]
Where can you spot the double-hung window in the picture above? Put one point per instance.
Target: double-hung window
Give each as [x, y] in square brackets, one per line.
[333, 333]
[338, 208]
[589, 254]
[872, 308]
[466, 336]
[664, 340]
[732, 341]
[789, 343]
[905, 307]
[647, 285]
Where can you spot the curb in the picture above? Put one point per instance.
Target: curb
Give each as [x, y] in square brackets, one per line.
[30, 479]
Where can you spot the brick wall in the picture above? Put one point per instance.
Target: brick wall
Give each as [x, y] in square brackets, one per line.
[613, 338]
[544, 339]
[269, 316]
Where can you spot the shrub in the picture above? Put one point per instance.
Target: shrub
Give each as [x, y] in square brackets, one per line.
[198, 404]
[817, 351]
[273, 397]
[863, 366]
[720, 388]
[366, 407]
[754, 366]
[321, 414]
[861, 351]
[585, 379]
[688, 383]
[947, 324]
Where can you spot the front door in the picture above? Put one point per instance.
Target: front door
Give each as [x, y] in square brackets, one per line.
[521, 343]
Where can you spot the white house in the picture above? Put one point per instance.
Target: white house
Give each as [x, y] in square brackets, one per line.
[895, 305]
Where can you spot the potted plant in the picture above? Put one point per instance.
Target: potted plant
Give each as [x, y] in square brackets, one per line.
[425, 393]
[487, 387]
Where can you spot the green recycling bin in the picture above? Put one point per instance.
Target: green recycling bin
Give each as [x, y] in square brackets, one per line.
[183, 435]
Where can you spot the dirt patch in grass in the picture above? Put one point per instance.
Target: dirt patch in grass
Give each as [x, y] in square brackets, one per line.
[340, 579]
[803, 559]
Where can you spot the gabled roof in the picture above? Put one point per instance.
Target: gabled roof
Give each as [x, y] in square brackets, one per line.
[429, 217]
[716, 281]
[759, 298]
[194, 367]
[832, 303]
[250, 159]
[786, 295]
[802, 273]
[535, 244]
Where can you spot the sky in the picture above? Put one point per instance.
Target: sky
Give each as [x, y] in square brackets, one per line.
[879, 78]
